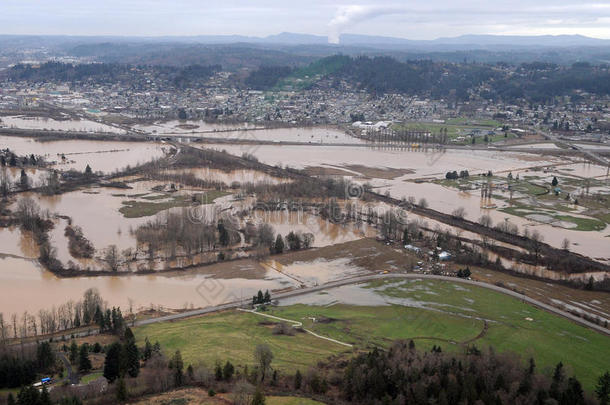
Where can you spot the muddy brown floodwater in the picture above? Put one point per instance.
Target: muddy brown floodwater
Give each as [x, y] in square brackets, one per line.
[24, 286]
[104, 156]
[434, 164]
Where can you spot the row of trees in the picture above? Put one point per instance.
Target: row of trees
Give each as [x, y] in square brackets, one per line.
[88, 311]
[454, 175]
[261, 298]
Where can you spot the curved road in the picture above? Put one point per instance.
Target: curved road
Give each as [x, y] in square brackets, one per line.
[362, 279]
[71, 377]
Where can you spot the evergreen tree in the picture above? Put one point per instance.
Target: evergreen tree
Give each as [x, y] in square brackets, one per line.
[132, 355]
[10, 400]
[44, 356]
[278, 247]
[177, 365]
[227, 371]
[28, 395]
[147, 349]
[73, 352]
[112, 364]
[602, 389]
[84, 364]
[88, 171]
[558, 378]
[223, 235]
[298, 380]
[267, 297]
[555, 182]
[24, 181]
[218, 372]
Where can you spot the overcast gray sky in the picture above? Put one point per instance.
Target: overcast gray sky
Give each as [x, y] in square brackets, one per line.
[417, 19]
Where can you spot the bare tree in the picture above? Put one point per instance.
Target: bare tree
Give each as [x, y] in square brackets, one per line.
[263, 356]
[536, 243]
[459, 212]
[242, 393]
[5, 183]
[3, 331]
[112, 257]
[265, 235]
[565, 244]
[486, 220]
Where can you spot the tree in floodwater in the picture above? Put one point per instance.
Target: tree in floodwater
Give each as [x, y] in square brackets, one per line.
[24, 180]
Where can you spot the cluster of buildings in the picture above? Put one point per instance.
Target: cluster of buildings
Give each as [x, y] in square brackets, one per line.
[221, 99]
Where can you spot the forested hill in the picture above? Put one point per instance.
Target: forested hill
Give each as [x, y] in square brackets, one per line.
[538, 82]
[108, 73]
[535, 82]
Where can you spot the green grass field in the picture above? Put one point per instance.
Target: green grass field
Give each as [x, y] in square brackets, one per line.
[91, 377]
[460, 127]
[233, 336]
[437, 313]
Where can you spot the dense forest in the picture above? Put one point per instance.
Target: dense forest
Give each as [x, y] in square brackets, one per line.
[535, 82]
[403, 375]
[265, 77]
[110, 73]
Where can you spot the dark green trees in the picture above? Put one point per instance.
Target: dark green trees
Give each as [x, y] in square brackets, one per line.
[84, 363]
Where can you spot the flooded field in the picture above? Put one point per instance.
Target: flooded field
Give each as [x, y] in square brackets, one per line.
[104, 156]
[318, 271]
[324, 231]
[236, 176]
[50, 124]
[211, 285]
[252, 133]
[109, 216]
[198, 287]
[422, 163]
[176, 127]
[433, 165]
[34, 176]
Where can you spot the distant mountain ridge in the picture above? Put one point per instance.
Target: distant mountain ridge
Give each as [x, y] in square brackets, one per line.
[287, 38]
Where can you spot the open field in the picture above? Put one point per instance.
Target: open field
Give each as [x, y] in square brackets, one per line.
[458, 313]
[461, 127]
[429, 312]
[233, 336]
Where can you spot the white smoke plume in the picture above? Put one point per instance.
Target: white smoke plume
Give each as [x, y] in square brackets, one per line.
[350, 15]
